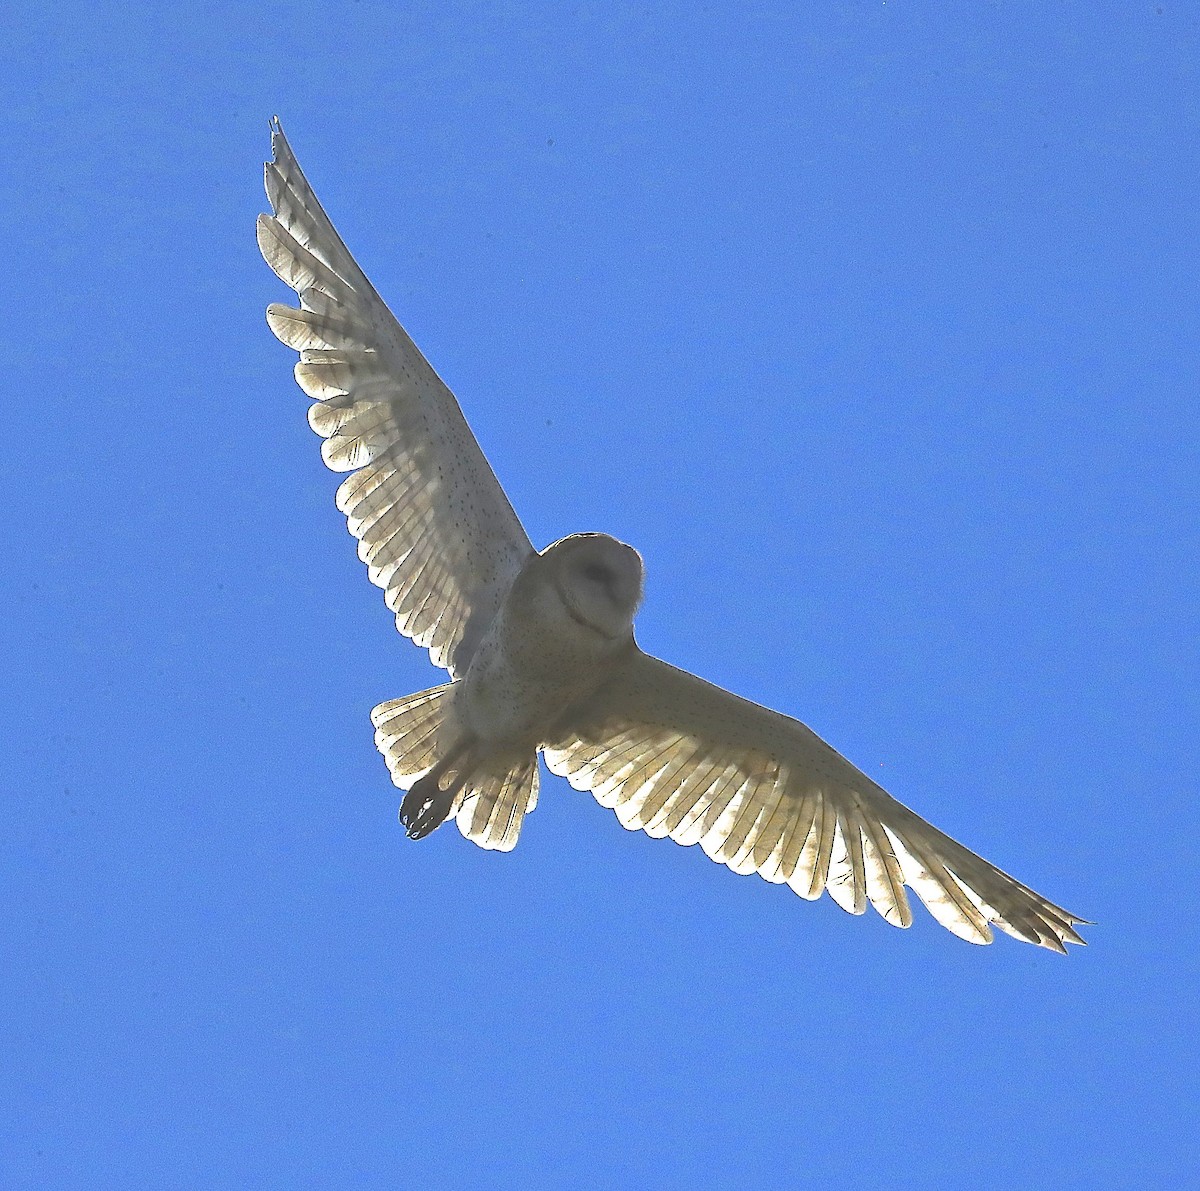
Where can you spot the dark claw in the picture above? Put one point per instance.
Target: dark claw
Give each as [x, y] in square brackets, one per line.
[425, 807]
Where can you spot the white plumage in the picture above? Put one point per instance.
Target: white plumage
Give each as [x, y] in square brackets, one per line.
[540, 646]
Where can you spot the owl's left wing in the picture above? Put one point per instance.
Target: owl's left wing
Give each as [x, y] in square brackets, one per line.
[676, 756]
[433, 524]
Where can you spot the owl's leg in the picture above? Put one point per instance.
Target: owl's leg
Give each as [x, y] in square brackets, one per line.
[427, 805]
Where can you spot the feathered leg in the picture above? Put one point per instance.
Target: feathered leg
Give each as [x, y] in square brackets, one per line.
[427, 805]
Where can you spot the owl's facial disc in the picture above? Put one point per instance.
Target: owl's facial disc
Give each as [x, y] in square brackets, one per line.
[599, 580]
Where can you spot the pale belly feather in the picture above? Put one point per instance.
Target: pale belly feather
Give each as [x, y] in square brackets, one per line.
[534, 661]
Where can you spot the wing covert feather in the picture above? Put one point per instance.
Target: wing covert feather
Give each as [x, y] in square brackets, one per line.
[433, 524]
[760, 792]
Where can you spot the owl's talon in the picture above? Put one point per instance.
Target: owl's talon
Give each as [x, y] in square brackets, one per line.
[425, 808]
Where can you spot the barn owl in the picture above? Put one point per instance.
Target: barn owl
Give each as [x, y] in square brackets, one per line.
[540, 649]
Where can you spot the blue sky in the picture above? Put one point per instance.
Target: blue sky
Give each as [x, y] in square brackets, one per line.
[873, 326]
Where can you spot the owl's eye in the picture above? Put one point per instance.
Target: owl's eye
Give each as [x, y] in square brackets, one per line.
[598, 574]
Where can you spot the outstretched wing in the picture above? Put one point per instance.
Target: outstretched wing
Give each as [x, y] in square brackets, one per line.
[433, 524]
[674, 755]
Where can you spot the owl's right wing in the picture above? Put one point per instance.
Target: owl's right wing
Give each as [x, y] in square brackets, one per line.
[433, 524]
[676, 756]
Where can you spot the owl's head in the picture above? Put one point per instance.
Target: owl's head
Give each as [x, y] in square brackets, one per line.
[599, 580]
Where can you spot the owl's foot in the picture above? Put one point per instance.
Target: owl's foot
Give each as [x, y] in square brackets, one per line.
[425, 807]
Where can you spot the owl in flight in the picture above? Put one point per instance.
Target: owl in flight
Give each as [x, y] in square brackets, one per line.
[540, 649]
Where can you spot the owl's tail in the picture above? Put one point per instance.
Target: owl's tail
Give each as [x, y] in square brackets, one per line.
[446, 773]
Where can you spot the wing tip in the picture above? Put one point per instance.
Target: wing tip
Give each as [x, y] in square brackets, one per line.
[278, 138]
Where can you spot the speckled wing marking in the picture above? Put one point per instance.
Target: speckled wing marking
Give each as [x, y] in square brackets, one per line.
[433, 524]
[675, 756]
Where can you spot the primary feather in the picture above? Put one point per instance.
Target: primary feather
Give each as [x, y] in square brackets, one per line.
[675, 756]
[434, 527]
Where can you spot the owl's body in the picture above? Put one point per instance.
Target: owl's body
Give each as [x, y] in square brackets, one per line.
[564, 625]
[541, 652]
[547, 648]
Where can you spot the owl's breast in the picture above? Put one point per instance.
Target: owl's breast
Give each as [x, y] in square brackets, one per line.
[535, 660]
